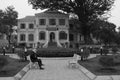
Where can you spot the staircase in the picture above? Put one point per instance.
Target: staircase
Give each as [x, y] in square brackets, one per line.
[52, 44]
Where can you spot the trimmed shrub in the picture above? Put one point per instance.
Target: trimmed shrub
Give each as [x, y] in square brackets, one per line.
[114, 50]
[105, 51]
[95, 50]
[54, 54]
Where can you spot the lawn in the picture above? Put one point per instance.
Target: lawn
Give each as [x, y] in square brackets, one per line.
[93, 66]
[12, 67]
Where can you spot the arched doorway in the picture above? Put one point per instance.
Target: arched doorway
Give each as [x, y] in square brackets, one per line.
[52, 37]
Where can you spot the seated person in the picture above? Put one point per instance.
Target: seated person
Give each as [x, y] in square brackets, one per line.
[34, 58]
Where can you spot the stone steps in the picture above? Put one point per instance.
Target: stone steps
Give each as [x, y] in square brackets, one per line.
[52, 44]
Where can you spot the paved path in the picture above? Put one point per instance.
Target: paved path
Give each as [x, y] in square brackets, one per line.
[55, 69]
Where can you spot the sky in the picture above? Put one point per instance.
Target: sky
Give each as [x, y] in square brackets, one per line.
[25, 9]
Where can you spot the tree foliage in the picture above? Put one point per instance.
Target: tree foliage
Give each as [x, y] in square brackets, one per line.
[104, 31]
[86, 10]
[8, 19]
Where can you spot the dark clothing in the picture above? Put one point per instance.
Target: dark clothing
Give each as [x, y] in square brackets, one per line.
[4, 51]
[13, 49]
[101, 51]
[91, 49]
[34, 58]
[25, 52]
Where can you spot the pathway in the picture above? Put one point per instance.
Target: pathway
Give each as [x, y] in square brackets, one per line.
[55, 69]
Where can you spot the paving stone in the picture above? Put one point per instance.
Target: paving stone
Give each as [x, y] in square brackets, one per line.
[55, 70]
[8, 78]
[116, 77]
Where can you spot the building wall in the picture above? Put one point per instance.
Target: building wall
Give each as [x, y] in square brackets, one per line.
[78, 38]
[46, 28]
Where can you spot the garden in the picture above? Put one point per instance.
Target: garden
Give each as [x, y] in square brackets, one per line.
[10, 67]
[105, 64]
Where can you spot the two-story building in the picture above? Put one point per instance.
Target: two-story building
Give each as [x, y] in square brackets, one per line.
[49, 28]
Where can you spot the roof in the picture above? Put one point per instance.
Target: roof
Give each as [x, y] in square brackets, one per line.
[46, 12]
[14, 27]
[53, 12]
[27, 19]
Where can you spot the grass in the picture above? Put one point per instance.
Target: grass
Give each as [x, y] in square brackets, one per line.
[93, 66]
[12, 68]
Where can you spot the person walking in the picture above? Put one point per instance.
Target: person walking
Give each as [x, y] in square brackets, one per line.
[13, 49]
[4, 50]
[82, 50]
[25, 52]
[91, 48]
[101, 50]
[34, 58]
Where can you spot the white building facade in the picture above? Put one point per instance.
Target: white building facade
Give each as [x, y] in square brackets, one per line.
[44, 29]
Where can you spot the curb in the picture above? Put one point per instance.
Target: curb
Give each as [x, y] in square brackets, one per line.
[20, 74]
[90, 75]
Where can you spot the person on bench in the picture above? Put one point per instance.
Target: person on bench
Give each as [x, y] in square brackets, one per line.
[34, 58]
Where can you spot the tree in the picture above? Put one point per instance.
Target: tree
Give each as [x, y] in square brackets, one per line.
[117, 38]
[86, 10]
[104, 31]
[118, 30]
[2, 27]
[9, 20]
[10, 16]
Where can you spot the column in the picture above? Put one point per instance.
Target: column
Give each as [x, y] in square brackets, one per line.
[18, 37]
[36, 35]
[57, 36]
[26, 38]
[47, 36]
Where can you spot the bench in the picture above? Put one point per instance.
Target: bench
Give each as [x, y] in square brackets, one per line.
[33, 65]
[73, 63]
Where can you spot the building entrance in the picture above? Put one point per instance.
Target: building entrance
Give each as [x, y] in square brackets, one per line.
[52, 37]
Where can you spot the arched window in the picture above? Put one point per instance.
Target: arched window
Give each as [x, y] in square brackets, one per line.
[42, 35]
[62, 35]
[31, 37]
[22, 37]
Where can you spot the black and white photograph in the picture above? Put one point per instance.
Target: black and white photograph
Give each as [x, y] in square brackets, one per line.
[59, 39]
